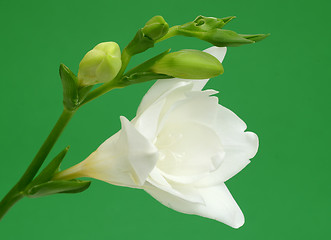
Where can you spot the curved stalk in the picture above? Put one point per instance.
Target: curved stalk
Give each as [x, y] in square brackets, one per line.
[16, 193]
[171, 33]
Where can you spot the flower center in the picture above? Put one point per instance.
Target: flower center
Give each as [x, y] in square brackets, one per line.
[187, 149]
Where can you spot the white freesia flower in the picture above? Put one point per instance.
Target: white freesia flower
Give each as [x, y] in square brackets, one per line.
[180, 148]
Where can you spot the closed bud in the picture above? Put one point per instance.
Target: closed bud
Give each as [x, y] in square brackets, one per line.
[100, 65]
[188, 64]
[204, 24]
[155, 28]
[224, 38]
[210, 30]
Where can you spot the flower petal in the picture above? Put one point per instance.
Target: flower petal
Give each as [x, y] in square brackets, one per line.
[125, 159]
[239, 146]
[142, 155]
[160, 90]
[147, 123]
[218, 204]
[186, 149]
[217, 52]
[185, 192]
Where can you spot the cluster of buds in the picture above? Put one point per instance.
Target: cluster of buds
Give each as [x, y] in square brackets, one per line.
[103, 63]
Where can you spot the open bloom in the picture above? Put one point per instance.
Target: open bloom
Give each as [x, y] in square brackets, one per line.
[180, 148]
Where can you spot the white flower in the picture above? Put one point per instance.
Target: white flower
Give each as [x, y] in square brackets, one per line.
[180, 148]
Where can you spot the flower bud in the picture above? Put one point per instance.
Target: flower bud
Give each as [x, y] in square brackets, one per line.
[255, 37]
[210, 30]
[189, 64]
[204, 24]
[155, 28]
[100, 65]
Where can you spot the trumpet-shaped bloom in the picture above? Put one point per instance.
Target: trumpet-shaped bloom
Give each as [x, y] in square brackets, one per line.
[180, 148]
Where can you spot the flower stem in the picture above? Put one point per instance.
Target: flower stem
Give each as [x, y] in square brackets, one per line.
[17, 192]
[171, 33]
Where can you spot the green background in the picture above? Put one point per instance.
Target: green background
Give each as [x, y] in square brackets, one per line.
[279, 87]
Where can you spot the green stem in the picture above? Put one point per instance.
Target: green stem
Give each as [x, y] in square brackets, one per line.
[16, 193]
[171, 33]
[106, 87]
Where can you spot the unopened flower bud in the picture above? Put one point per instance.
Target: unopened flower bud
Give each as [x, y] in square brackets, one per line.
[100, 65]
[189, 64]
[210, 29]
[155, 28]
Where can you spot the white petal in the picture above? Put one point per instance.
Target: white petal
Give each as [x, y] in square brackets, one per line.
[141, 153]
[185, 192]
[217, 52]
[239, 146]
[198, 107]
[125, 159]
[218, 204]
[187, 148]
[147, 123]
[160, 90]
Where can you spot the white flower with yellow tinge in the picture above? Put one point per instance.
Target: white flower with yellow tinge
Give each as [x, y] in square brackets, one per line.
[180, 148]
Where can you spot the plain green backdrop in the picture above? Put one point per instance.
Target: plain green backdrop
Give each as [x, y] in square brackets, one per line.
[279, 87]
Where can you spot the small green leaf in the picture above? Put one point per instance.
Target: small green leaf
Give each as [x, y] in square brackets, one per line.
[142, 72]
[54, 187]
[142, 77]
[82, 92]
[69, 83]
[48, 172]
[226, 20]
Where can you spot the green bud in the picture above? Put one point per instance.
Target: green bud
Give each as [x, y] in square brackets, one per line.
[155, 28]
[147, 36]
[100, 65]
[204, 24]
[188, 64]
[224, 38]
[210, 30]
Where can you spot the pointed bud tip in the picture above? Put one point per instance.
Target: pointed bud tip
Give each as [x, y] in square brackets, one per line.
[255, 37]
[228, 19]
